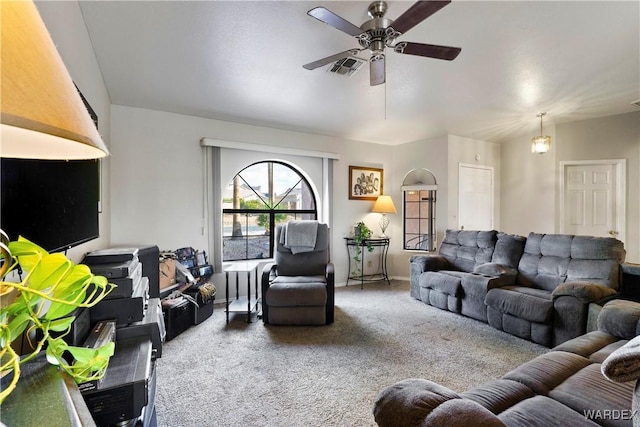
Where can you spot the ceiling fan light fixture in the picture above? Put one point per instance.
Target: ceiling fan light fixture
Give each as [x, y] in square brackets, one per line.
[542, 143]
[379, 32]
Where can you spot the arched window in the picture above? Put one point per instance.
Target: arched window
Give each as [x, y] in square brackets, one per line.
[257, 199]
[419, 189]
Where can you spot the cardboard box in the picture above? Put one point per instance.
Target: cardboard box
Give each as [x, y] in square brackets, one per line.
[167, 273]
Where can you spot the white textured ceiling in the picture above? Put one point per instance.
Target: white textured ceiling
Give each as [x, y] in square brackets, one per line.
[242, 61]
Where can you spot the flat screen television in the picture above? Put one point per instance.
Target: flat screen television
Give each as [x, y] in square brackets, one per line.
[53, 203]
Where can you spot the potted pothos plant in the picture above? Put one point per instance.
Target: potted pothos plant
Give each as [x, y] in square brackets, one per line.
[361, 233]
[39, 304]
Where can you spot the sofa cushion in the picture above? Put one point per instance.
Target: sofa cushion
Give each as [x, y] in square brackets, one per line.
[498, 395]
[460, 413]
[600, 355]
[587, 344]
[609, 396]
[547, 371]
[286, 293]
[534, 305]
[464, 249]
[446, 283]
[543, 412]
[551, 259]
[597, 248]
[508, 250]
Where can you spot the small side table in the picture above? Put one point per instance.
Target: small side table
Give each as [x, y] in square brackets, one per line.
[242, 304]
[375, 242]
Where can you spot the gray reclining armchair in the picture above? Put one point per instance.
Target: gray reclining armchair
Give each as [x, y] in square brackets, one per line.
[298, 288]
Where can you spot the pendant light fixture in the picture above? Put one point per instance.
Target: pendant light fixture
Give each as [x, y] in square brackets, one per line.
[540, 144]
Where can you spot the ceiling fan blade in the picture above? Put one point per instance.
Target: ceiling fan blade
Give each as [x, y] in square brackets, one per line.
[376, 70]
[329, 59]
[429, 50]
[330, 18]
[417, 13]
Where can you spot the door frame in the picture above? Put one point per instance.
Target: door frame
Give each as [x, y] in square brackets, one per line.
[620, 170]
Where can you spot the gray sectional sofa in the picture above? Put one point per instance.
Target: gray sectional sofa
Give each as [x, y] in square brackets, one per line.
[566, 386]
[537, 287]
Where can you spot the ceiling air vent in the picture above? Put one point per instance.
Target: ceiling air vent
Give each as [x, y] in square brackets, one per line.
[346, 66]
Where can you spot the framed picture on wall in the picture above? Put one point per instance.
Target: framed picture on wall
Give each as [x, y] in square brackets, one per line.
[365, 183]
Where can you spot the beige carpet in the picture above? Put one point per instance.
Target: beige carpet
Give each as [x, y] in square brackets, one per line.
[255, 375]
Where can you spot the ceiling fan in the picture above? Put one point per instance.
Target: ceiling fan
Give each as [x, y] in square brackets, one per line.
[379, 33]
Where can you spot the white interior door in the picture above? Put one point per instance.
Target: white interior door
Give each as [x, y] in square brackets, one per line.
[475, 197]
[593, 202]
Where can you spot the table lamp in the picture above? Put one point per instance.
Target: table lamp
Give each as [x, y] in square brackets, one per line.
[384, 205]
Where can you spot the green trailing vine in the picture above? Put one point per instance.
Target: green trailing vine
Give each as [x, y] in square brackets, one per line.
[52, 288]
[361, 234]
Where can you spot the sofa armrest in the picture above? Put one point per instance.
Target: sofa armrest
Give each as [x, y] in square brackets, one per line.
[586, 292]
[330, 270]
[422, 263]
[419, 402]
[331, 292]
[620, 318]
[269, 271]
[418, 264]
[505, 273]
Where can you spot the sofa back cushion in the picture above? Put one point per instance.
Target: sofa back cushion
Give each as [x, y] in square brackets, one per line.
[551, 259]
[312, 263]
[465, 249]
[509, 249]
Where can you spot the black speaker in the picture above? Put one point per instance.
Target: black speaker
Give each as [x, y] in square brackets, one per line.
[149, 256]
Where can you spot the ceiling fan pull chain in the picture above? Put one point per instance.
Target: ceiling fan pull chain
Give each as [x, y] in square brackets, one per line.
[385, 102]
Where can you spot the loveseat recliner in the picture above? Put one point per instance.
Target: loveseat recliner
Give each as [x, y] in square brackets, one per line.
[566, 386]
[469, 263]
[558, 277]
[538, 288]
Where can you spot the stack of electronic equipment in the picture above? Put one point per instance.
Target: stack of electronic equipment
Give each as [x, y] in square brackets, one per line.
[190, 301]
[126, 394]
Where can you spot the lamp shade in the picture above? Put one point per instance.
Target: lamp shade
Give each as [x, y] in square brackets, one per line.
[384, 204]
[43, 115]
[540, 144]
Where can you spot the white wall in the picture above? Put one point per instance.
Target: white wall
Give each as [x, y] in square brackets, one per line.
[66, 26]
[425, 154]
[157, 180]
[613, 137]
[528, 186]
[530, 183]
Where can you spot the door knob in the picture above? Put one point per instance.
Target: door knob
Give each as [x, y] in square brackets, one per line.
[613, 232]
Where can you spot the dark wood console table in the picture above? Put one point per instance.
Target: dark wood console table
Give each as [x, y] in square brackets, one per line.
[357, 273]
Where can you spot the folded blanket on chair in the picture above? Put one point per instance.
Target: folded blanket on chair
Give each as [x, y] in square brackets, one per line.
[624, 363]
[299, 236]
